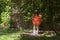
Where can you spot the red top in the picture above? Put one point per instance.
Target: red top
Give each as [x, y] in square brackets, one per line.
[36, 20]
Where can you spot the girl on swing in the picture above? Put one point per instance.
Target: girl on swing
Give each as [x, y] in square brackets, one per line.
[36, 20]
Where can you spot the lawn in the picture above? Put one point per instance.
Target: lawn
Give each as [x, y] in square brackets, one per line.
[13, 34]
[10, 34]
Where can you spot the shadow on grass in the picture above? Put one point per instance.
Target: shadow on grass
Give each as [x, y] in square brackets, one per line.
[7, 31]
[25, 37]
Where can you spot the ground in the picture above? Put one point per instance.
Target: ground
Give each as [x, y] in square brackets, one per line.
[14, 34]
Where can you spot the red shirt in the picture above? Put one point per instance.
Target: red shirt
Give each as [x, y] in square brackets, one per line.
[36, 20]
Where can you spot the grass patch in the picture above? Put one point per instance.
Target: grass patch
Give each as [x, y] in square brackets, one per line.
[13, 34]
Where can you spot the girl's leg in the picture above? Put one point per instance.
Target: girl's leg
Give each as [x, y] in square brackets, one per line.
[34, 29]
[37, 29]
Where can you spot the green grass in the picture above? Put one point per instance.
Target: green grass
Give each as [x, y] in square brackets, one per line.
[12, 34]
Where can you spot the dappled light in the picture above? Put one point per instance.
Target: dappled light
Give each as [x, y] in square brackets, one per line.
[29, 19]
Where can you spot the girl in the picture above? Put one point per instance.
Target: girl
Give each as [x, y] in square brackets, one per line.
[36, 20]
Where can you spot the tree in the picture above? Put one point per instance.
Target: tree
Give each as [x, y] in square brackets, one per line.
[5, 11]
[47, 8]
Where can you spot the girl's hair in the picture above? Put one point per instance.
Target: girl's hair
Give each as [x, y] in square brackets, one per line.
[36, 12]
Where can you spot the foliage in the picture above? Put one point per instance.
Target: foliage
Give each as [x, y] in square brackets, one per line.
[49, 9]
[5, 11]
